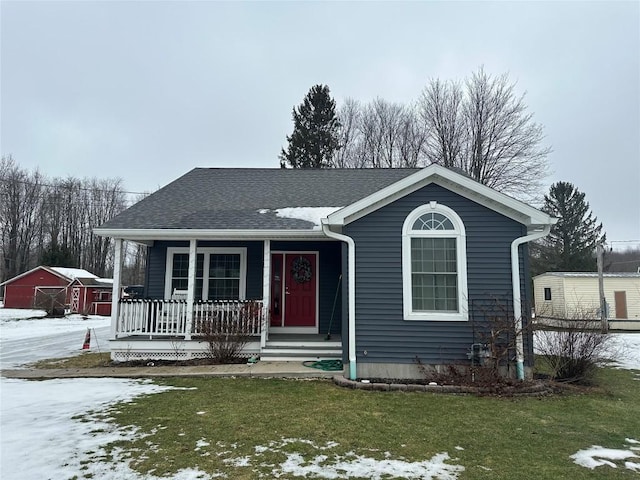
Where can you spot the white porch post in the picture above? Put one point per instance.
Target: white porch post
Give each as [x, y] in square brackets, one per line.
[266, 292]
[191, 286]
[115, 292]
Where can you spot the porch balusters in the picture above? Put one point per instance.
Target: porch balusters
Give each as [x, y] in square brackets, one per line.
[169, 318]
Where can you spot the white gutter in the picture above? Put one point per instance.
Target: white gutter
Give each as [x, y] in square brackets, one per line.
[351, 293]
[205, 234]
[517, 298]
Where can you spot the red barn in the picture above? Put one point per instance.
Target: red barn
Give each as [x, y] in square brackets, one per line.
[23, 290]
[91, 296]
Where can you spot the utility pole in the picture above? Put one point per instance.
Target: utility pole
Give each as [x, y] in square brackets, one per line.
[604, 324]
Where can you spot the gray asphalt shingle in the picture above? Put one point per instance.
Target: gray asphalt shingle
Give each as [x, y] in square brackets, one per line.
[230, 198]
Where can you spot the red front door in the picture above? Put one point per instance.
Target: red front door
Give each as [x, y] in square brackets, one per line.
[294, 289]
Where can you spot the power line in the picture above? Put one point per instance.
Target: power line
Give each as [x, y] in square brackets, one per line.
[68, 187]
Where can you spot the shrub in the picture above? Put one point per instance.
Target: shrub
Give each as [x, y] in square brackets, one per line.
[573, 352]
[228, 332]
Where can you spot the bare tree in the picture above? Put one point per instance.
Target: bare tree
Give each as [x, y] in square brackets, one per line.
[380, 134]
[20, 215]
[440, 109]
[350, 135]
[485, 130]
[54, 220]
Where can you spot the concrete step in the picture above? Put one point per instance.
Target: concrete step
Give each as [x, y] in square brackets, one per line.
[301, 344]
[282, 354]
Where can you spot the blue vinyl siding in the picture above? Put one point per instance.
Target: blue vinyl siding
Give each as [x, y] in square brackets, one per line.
[381, 330]
[157, 260]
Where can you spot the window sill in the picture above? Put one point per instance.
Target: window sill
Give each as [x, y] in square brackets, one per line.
[436, 317]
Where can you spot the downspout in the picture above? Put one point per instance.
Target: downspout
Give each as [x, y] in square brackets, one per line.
[517, 298]
[352, 293]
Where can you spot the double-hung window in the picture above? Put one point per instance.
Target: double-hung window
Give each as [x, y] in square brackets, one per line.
[434, 264]
[220, 272]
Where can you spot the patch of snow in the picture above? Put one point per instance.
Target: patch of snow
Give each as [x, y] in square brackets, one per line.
[632, 466]
[25, 341]
[458, 448]
[309, 214]
[597, 456]
[201, 444]
[349, 465]
[20, 313]
[625, 350]
[622, 348]
[45, 436]
[13, 328]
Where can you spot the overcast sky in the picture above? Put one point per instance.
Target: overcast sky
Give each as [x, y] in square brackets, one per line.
[146, 91]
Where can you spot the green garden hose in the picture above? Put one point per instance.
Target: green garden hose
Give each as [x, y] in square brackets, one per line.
[326, 365]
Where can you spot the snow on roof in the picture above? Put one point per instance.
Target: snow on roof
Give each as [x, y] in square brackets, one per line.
[73, 273]
[308, 214]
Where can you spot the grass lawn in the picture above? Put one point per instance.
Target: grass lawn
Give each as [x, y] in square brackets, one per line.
[245, 428]
[84, 360]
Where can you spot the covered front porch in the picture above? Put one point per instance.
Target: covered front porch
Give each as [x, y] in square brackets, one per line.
[285, 295]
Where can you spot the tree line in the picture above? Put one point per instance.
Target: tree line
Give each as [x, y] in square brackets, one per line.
[480, 126]
[50, 222]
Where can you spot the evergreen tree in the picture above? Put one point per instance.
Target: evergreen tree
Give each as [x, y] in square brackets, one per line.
[315, 132]
[58, 256]
[570, 247]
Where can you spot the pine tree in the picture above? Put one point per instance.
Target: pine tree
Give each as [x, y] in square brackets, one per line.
[315, 132]
[570, 247]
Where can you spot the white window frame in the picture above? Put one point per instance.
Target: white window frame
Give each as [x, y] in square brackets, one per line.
[207, 251]
[461, 265]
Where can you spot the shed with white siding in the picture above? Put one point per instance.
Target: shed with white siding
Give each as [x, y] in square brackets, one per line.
[576, 294]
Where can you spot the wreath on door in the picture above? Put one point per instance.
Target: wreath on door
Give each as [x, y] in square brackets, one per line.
[301, 270]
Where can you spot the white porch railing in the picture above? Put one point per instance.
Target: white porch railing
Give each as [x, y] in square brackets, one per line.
[168, 318]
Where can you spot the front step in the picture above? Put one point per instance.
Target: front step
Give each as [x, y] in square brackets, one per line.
[299, 351]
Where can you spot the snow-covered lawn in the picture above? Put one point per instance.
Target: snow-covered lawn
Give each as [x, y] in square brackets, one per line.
[12, 328]
[44, 437]
[25, 336]
[57, 428]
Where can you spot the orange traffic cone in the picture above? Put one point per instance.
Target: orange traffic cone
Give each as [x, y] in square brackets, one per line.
[87, 340]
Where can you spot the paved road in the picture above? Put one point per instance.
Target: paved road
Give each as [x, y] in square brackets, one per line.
[19, 351]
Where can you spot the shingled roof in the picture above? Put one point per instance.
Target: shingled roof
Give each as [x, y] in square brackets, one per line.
[246, 198]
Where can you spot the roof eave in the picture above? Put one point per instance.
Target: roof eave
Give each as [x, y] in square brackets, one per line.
[464, 186]
[146, 235]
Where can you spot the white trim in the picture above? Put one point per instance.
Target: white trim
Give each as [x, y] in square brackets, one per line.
[455, 182]
[153, 234]
[171, 251]
[118, 259]
[266, 292]
[461, 263]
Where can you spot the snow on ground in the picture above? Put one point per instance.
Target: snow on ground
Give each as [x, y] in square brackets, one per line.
[25, 339]
[42, 439]
[626, 350]
[20, 313]
[597, 456]
[12, 328]
[325, 464]
[623, 349]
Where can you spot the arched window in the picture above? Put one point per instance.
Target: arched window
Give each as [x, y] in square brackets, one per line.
[434, 264]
